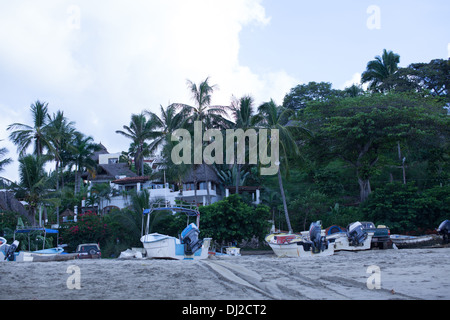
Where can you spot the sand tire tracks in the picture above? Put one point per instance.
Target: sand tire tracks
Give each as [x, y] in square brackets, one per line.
[289, 284]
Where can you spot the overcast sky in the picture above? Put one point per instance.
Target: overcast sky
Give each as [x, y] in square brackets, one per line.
[100, 61]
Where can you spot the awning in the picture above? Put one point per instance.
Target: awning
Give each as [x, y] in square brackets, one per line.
[28, 230]
[189, 212]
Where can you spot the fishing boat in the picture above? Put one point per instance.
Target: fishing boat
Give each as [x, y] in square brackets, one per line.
[187, 247]
[10, 253]
[405, 241]
[355, 239]
[312, 243]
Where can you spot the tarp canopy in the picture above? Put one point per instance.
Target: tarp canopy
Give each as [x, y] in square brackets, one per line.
[28, 230]
[189, 212]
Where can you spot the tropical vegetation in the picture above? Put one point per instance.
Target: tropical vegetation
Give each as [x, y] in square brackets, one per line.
[378, 153]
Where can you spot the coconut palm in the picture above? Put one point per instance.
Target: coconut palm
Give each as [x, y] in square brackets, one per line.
[82, 148]
[210, 116]
[378, 70]
[23, 135]
[139, 130]
[59, 131]
[271, 116]
[34, 180]
[5, 161]
[171, 119]
[243, 114]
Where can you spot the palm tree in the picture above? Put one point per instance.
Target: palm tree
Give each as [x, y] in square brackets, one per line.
[271, 116]
[139, 130]
[378, 70]
[210, 116]
[82, 149]
[23, 135]
[242, 112]
[5, 161]
[34, 180]
[162, 127]
[171, 119]
[60, 131]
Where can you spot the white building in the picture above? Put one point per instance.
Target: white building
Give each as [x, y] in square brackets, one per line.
[122, 180]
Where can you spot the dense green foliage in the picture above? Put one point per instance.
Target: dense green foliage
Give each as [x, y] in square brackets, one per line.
[378, 154]
[233, 220]
[406, 210]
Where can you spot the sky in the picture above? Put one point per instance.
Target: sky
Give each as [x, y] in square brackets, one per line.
[102, 61]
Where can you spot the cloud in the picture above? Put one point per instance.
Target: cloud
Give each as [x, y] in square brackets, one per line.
[101, 61]
[356, 79]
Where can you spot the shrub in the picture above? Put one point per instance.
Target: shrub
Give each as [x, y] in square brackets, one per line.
[232, 220]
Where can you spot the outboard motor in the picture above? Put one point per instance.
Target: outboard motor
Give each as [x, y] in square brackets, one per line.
[356, 234]
[444, 230]
[10, 252]
[189, 237]
[319, 242]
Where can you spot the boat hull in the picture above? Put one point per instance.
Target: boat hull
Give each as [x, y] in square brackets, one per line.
[297, 250]
[341, 242]
[285, 245]
[405, 242]
[159, 246]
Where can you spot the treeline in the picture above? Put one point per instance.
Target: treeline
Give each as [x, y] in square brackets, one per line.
[341, 151]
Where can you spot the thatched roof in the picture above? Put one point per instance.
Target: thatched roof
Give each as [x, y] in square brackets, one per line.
[95, 156]
[131, 180]
[203, 173]
[67, 213]
[110, 172]
[9, 203]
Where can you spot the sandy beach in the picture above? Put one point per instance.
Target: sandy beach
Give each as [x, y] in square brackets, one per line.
[402, 274]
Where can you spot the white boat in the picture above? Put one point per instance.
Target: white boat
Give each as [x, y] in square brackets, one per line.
[166, 247]
[312, 243]
[354, 240]
[187, 247]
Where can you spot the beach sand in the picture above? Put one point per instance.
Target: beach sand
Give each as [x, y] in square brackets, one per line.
[403, 274]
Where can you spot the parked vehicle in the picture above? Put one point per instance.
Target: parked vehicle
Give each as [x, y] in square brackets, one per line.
[382, 236]
[88, 251]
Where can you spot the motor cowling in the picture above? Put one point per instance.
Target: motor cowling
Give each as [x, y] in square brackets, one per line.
[356, 234]
[444, 230]
[318, 242]
[10, 252]
[189, 237]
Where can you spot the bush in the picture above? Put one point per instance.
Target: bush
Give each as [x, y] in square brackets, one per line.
[232, 220]
[90, 228]
[405, 210]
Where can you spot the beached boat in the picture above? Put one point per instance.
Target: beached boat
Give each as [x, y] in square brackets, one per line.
[405, 241]
[312, 243]
[10, 253]
[187, 247]
[355, 239]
